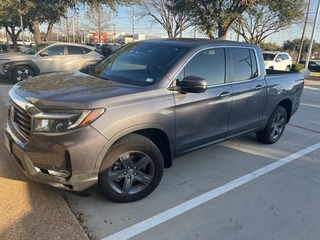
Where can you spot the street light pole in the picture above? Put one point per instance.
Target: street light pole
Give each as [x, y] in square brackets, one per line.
[306, 71]
[22, 32]
[303, 32]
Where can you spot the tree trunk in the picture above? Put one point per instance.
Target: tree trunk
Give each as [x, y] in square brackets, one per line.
[14, 36]
[34, 25]
[222, 32]
[223, 36]
[49, 31]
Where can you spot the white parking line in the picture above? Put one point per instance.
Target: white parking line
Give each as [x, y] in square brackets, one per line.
[311, 88]
[186, 206]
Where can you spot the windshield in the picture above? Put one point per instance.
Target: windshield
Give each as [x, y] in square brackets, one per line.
[268, 56]
[36, 49]
[139, 63]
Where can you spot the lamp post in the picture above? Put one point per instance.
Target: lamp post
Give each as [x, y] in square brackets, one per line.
[22, 32]
[114, 32]
[306, 71]
[82, 36]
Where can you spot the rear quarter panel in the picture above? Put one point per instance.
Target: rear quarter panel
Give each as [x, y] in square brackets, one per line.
[283, 86]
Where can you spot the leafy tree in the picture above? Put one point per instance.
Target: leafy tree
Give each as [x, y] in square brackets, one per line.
[113, 4]
[49, 12]
[294, 45]
[213, 17]
[39, 12]
[291, 45]
[270, 47]
[160, 12]
[267, 17]
[10, 19]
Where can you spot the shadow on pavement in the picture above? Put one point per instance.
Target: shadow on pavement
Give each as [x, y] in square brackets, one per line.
[31, 210]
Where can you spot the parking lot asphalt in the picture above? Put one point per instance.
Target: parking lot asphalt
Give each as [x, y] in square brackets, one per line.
[31, 210]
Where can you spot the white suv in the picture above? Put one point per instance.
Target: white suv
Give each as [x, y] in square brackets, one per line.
[277, 60]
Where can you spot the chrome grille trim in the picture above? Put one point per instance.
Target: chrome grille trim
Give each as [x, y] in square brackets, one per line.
[21, 120]
[20, 113]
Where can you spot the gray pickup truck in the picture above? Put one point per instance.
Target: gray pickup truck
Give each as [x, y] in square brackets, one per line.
[118, 124]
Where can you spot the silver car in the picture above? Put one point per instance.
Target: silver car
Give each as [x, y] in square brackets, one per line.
[46, 58]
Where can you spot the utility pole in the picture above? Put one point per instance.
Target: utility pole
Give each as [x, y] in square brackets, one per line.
[134, 20]
[73, 33]
[22, 32]
[114, 32]
[303, 32]
[306, 71]
[99, 23]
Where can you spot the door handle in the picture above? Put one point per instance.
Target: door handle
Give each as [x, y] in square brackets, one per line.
[259, 87]
[225, 94]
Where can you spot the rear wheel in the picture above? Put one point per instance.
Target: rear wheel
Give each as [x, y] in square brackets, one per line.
[131, 170]
[22, 73]
[275, 127]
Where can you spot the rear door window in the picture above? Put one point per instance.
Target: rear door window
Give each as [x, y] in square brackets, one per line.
[75, 50]
[244, 64]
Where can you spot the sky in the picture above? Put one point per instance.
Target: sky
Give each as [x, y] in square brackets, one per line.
[123, 22]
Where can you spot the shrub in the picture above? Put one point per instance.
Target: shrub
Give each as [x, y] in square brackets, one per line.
[297, 67]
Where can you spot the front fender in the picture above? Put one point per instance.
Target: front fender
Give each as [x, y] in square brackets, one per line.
[14, 64]
[136, 128]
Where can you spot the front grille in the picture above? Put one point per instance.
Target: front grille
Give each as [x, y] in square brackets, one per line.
[21, 119]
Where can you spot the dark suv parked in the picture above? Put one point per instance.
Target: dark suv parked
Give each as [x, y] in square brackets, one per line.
[312, 66]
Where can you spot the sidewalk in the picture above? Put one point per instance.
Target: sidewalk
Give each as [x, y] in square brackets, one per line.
[30, 210]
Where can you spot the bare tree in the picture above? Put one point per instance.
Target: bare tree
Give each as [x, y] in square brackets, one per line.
[66, 26]
[268, 17]
[97, 19]
[159, 11]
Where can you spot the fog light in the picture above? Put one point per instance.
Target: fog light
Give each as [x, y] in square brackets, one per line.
[63, 174]
[56, 173]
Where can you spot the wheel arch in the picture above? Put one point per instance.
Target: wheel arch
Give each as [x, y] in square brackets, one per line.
[161, 140]
[287, 105]
[26, 63]
[158, 136]
[88, 63]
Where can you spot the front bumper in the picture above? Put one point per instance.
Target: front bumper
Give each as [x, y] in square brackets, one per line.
[67, 161]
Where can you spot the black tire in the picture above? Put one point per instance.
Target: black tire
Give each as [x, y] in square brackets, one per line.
[275, 128]
[287, 69]
[131, 170]
[21, 73]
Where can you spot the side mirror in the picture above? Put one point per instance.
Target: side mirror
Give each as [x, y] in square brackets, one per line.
[192, 84]
[44, 54]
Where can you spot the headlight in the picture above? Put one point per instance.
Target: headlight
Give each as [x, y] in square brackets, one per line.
[57, 122]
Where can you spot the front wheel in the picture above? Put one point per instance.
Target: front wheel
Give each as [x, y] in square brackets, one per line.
[21, 73]
[275, 127]
[131, 170]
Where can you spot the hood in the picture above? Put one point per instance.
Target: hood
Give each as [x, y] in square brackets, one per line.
[9, 56]
[69, 90]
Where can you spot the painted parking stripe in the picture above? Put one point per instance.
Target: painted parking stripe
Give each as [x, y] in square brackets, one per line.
[304, 128]
[186, 206]
[311, 88]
